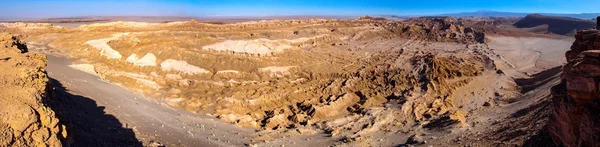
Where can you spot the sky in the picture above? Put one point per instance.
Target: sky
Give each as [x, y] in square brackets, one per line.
[207, 8]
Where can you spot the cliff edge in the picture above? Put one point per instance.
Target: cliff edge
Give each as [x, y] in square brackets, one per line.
[575, 120]
[24, 120]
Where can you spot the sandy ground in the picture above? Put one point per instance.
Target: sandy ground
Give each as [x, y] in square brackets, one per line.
[149, 119]
[531, 54]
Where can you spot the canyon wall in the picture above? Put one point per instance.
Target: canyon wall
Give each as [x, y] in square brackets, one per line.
[575, 120]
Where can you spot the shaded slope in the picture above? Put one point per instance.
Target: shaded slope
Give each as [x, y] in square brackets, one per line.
[556, 25]
[88, 123]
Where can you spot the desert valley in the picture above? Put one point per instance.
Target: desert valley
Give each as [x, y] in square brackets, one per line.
[361, 81]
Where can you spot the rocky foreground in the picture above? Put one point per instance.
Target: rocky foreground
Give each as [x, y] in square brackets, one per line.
[24, 119]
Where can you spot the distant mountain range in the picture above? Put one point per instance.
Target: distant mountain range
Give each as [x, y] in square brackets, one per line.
[485, 13]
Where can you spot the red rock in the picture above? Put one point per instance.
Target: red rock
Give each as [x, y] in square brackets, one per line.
[575, 118]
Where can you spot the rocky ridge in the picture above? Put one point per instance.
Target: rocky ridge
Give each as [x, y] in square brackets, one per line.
[24, 120]
[575, 120]
[436, 29]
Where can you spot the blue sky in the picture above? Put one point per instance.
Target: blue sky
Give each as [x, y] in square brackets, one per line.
[70, 8]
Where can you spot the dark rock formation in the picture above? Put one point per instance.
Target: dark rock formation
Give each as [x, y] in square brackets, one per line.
[444, 29]
[556, 25]
[575, 120]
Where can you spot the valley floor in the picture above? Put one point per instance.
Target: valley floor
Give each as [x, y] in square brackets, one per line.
[108, 114]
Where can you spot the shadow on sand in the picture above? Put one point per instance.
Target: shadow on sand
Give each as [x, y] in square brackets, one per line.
[87, 123]
[538, 79]
[537, 113]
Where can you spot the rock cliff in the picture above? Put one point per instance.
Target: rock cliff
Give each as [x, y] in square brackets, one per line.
[24, 120]
[575, 120]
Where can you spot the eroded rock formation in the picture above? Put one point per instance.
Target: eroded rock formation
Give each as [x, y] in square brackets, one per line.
[575, 120]
[24, 120]
[436, 29]
[347, 78]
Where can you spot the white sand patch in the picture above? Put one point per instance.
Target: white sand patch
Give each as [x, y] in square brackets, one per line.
[148, 60]
[233, 81]
[182, 66]
[277, 71]
[132, 58]
[261, 46]
[88, 68]
[264, 47]
[228, 71]
[105, 49]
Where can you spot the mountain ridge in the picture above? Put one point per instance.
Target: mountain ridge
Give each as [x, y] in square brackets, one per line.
[488, 13]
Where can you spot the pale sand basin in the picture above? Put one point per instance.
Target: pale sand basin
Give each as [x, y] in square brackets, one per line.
[525, 53]
[182, 66]
[262, 46]
[105, 49]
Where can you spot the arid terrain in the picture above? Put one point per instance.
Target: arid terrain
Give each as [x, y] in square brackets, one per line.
[368, 81]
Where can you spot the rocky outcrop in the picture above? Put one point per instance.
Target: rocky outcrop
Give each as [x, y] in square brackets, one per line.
[421, 93]
[575, 120]
[436, 29]
[24, 120]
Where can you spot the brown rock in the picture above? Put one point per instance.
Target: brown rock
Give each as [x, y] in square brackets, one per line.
[24, 120]
[575, 120]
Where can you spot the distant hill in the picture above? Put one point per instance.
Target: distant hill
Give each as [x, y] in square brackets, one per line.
[485, 13]
[556, 25]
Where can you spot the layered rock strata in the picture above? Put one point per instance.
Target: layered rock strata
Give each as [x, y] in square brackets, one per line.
[24, 120]
[575, 120]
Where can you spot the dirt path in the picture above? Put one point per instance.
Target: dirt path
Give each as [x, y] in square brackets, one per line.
[149, 119]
